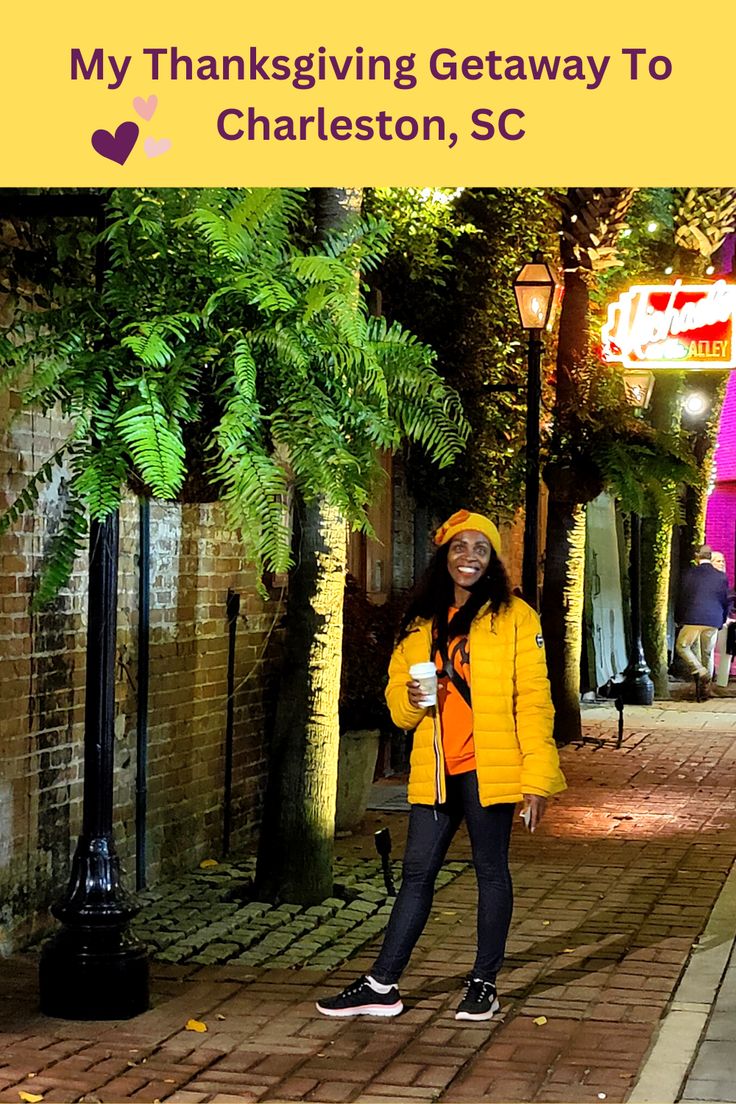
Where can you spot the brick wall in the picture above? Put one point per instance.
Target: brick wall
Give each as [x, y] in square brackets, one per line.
[194, 560]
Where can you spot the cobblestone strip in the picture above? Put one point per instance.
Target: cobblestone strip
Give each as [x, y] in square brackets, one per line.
[220, 928]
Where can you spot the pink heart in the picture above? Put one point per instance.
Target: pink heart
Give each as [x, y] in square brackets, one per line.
[154, 147]
[145, 108]
[118, 146]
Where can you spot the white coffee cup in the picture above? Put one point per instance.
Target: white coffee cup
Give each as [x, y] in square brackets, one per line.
[426, 675]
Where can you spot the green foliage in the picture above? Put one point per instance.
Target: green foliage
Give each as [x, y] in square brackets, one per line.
[449, 275]
[425, 227]
[645, 246]
[226, 344]
[644, 467]
[643, 474]
[152, 435]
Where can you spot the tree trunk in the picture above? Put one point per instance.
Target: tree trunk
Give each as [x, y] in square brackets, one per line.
[570, 486]
[656, 554]
[656, 547]
[562, 612]
[296, 843]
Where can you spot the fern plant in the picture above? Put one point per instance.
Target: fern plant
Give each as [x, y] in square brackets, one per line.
[220, 321]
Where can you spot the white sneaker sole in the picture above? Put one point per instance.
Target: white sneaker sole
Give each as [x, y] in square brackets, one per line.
[365, 1010]
[479, 1015]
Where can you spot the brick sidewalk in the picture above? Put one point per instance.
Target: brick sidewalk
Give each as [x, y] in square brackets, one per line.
[610, 895]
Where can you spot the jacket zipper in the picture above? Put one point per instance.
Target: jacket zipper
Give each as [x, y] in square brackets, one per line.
[438, 760]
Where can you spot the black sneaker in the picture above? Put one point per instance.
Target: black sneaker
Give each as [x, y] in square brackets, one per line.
[361, 999]
[479, 1002]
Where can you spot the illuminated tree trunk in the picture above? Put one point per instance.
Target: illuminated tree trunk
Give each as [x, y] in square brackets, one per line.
[656, 546]
[656, 557]
[570, 486]
[295, 851]
[296, 843]
[562, 611]
[591, 221]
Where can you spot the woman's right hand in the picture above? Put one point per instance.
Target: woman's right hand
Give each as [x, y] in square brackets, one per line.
[415, 694]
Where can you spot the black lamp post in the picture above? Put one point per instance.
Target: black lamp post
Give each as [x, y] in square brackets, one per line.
[93, 968]
[637, 687]
[534, 289]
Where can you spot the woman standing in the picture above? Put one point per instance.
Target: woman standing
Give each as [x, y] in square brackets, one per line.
[487, 746]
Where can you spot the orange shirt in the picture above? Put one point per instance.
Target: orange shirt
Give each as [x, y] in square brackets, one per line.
[456, 716]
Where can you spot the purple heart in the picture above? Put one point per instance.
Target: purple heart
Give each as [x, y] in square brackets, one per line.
[117, 146]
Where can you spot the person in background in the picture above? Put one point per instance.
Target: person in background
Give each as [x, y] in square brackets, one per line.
[702, 609]
[725, 657]
[486, 746]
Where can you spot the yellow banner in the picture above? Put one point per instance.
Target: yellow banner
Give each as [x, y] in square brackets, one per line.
[154, 93]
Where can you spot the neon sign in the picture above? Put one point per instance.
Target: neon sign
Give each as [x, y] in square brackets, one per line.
[672, 326]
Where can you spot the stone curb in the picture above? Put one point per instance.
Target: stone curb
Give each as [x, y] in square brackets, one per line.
[663, 1076]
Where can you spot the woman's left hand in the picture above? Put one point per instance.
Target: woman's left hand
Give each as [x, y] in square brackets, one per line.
[536, 806]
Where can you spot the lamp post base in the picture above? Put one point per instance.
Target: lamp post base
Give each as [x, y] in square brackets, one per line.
[93, 975]
[637, 687]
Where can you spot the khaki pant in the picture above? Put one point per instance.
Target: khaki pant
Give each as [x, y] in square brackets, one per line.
[695, 645]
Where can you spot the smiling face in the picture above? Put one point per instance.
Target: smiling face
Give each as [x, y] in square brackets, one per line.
[468, 557]
[718, 560]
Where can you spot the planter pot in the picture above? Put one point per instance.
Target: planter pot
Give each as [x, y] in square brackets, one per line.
[355, 770]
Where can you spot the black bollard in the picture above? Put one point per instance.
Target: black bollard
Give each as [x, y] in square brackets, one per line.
[233, 612]
[619, 703]
[382, 840]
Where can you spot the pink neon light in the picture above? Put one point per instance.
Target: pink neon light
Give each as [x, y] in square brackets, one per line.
[720, 525]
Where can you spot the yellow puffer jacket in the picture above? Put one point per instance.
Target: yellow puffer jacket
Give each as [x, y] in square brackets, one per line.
[512, 710]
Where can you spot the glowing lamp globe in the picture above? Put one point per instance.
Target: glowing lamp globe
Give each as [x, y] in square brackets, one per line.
[534, 290]
[695, 404]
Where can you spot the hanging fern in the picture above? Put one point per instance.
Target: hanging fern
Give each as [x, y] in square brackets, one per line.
[154, 439]
[218, 311]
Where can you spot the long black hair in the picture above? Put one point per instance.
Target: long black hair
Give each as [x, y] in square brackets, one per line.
[434, 595]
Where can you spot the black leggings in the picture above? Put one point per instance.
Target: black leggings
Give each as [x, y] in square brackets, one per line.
[431, 829]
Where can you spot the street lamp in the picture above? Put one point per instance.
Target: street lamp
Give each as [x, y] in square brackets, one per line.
[637, 687]
[638, 385]
[93, 968]
[534, 290]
